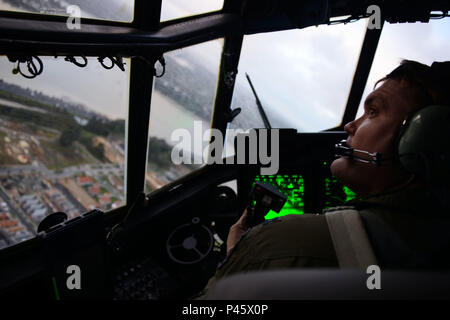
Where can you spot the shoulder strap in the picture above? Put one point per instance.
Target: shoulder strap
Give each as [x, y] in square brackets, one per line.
[350, 240]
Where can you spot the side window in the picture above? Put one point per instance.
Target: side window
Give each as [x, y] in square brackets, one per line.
[422, 42]
[117, 10]
[62, 143]
[181, 112]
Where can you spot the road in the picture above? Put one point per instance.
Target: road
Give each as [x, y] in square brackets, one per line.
[66, 172]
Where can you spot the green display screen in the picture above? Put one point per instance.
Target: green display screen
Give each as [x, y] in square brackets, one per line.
[336, 193]
[292, 187]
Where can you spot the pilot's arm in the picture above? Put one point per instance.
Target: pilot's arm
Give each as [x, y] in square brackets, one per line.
[292, 241]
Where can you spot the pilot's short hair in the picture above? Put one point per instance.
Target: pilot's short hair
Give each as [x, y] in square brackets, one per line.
[432, 81]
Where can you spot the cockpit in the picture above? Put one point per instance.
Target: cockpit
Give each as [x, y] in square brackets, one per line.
[133, 133]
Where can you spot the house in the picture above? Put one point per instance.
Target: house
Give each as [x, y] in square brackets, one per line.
[85, 181]
[105, 200]
[95, 190]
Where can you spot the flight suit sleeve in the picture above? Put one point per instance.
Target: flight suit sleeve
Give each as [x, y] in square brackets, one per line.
[293, 241]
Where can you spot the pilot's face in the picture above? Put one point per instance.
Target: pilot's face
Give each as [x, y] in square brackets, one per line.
[376, 131]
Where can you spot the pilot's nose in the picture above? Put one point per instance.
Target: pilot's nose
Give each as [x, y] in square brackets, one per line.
[350, 127]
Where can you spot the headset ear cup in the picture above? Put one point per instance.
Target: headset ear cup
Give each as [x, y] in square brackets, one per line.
[425, 143]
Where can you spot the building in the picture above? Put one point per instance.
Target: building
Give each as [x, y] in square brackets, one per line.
[105, 200]
[85, 181]
[95, 190]
[34, 207]
[39, 214]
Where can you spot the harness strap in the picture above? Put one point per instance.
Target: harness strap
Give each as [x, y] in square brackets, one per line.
[350, 240]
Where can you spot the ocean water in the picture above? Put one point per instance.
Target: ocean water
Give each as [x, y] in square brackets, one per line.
[17, 105]
[166, 116]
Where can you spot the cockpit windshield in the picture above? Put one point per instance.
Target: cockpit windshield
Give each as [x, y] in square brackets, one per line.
[181, 112]
[302, 76]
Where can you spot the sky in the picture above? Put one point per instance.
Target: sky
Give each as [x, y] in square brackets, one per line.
[173, 9]
[422, 42]
[104, 91]
[302, 76]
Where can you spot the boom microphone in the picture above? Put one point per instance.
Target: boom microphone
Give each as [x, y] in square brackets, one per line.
[343, 150]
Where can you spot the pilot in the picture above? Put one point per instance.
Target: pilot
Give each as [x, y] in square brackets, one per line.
[403, 219]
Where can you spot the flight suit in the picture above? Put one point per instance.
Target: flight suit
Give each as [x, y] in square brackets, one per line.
[407, 229]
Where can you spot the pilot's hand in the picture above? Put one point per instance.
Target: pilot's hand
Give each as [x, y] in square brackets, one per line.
[237, 230]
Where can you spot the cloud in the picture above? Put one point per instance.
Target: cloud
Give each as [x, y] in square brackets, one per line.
[306, 73]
